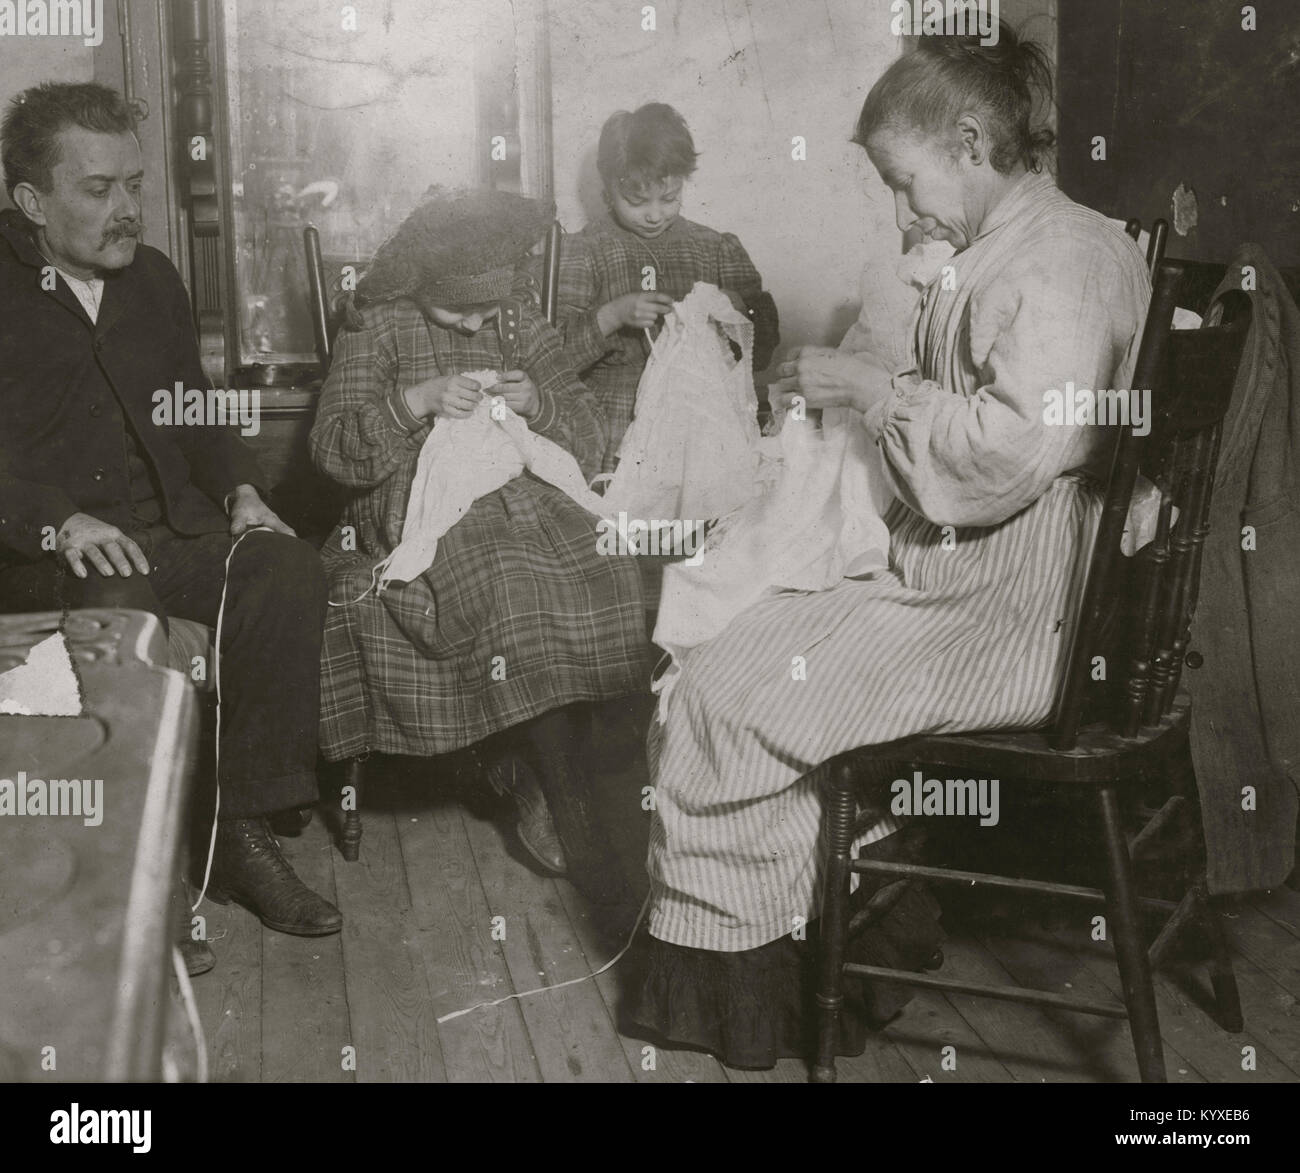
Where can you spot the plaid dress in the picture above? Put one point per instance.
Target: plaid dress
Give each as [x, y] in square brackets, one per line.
[605, 261]
[519, 613]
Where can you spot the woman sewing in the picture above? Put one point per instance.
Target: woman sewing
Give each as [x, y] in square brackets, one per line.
[988, 544]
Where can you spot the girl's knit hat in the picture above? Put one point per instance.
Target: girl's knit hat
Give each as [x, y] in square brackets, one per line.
[458, 247]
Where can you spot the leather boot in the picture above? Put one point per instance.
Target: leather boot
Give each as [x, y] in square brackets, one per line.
[536, 831]
[249, 869]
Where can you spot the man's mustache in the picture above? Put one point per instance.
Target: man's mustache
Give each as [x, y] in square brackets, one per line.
[122, 232]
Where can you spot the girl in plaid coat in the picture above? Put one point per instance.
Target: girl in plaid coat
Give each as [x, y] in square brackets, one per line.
[520, 620]
[605, 307]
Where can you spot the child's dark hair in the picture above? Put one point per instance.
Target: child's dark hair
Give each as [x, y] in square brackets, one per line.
[929, 88]
[643, 148]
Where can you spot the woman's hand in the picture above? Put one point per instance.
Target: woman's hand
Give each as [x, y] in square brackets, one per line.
[638, 310]
[519, 393]
[829, 378]
[455, 396]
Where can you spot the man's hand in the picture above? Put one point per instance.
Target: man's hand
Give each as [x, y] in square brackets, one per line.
[829, 378]
[248, 511]
[519, 393]
[638, 310]
[455, 396]
[83, 539]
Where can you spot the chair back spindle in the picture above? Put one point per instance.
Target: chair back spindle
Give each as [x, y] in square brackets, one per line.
[1156, 245]
[1147, 608]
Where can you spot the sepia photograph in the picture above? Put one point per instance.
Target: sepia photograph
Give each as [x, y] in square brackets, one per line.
[601, 542]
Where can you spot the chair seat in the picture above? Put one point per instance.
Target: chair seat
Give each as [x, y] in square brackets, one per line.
[1101, 755]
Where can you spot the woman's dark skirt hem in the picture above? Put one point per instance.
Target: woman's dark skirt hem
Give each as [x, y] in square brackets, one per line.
[755, 1007]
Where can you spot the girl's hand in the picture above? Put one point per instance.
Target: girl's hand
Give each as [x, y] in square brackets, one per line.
[519, 393]
[454, 396]
[637, 310]
[829, 378]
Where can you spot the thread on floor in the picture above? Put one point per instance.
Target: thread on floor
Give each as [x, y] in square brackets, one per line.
[613, 961]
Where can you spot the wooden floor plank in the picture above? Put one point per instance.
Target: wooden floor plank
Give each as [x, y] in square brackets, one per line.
[229, 996]
[786, 1071]
[1184, 1026]
[571, 1029]
[1281, 905]
[417, 943]
[389, 1001]
[670, 1065]
[1267, 964]
[1022, 1038]
[1268, 945]
[1103, 1044]
[464, 965]
[929, 1023]
[880, 1062]
[305, 1024]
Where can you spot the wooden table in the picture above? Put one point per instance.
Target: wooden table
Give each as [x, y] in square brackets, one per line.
[85, 911]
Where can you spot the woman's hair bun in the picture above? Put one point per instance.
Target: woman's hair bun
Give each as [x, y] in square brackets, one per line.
[1005, 80]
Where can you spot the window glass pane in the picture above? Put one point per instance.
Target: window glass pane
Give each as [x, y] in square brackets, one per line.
[345, 128]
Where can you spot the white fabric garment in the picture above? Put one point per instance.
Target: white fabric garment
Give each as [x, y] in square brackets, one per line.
[691, 451]
[815, 512]
[889, 297]
[465, 459]
[819, 519]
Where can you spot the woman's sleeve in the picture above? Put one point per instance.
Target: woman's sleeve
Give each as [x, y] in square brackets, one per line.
[568, 413]
[978, 460]
[737, 273]
[580, 296]
[363, 429]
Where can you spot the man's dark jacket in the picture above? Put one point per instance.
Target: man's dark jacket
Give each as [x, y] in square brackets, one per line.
[68, 385]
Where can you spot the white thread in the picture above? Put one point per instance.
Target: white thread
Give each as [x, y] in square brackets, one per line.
[613, 961]
[216, 676]
[374, 579]
[191, 1012]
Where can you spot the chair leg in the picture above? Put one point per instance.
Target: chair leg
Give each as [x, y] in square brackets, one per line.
[837, 829]
[1227, 1001]
[350, 840]
[1130, 950]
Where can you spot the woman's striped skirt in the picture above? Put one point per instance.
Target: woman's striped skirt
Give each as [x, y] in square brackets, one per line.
[967, 631]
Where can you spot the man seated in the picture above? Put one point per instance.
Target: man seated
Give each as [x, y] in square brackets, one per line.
[102, 507]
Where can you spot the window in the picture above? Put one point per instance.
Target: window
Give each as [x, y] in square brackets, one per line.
[342, 116]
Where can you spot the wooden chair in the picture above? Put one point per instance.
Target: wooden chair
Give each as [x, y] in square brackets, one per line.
[1156, 242]
[325, 313]
[1103, 740]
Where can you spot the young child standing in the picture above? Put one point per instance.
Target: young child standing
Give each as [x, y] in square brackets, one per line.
[605, 309]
